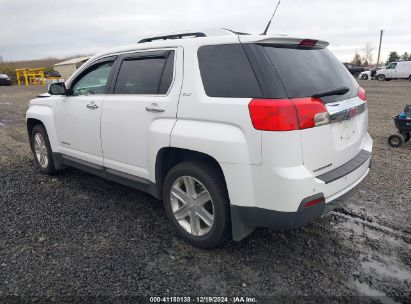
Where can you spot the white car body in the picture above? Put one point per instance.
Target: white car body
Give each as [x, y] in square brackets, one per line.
[265, 172]
[399, 69]
[366, 77]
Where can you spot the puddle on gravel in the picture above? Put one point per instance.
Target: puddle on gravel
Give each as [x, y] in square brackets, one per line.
[2, 124]
[388, 267]
[382, 253]
[366, 290]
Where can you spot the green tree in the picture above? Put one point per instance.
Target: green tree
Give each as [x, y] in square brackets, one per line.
[392, 57]
[406, 56]
[357, 59]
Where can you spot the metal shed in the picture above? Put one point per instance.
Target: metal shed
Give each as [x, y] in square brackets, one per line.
[67, 68]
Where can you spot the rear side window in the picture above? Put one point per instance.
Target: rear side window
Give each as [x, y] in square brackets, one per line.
[145, 75]
[309, 71]
[226, 72]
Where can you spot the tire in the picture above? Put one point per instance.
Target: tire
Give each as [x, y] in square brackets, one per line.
[409, 78]
[407, 136]
[190, 224]
[381, 77]
[40, 145]
[364, 77]
[395, 141]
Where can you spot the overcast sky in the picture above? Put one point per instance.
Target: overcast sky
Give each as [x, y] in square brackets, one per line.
[59, 28]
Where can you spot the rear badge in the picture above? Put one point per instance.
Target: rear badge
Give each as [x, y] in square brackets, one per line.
[350, 113]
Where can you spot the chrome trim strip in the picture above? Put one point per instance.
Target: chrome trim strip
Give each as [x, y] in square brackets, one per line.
[348, 113]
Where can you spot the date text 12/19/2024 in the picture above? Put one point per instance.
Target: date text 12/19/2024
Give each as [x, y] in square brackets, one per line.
[168, 299]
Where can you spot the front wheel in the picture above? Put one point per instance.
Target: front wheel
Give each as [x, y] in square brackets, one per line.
[196, 202]
[395, 140]
[364, 77]
[41, 148]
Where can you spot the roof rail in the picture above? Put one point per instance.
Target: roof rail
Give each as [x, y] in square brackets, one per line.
[173, 36]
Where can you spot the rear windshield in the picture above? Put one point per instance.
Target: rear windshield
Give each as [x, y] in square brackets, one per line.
[309, 71]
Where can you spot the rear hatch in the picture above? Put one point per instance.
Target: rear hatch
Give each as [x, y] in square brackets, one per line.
[306, 69]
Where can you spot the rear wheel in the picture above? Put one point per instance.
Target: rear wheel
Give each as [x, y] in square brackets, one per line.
[364, 77]
[196, 202]
[41, 148]
[395, 140]
[381, 77]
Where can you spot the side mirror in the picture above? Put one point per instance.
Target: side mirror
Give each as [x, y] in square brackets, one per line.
[57, 88]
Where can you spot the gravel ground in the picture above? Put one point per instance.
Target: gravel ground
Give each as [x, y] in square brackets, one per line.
[78, 235]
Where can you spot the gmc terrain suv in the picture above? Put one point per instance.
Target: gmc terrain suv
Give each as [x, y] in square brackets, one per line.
[231, 131]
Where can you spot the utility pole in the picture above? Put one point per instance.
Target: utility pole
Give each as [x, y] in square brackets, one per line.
[379, 48]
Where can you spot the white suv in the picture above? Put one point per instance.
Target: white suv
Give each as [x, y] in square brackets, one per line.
[231, 131]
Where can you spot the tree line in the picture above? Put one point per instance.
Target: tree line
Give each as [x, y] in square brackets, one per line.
[365, 56]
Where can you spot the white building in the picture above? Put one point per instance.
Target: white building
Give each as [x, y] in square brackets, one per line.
[67, 68]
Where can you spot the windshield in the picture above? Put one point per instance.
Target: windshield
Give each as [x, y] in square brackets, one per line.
[310, 71]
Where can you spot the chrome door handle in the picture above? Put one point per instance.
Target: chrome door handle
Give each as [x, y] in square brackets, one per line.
[92, 105]
[155, 108]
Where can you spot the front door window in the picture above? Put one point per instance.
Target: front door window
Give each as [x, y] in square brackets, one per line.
[93, 81]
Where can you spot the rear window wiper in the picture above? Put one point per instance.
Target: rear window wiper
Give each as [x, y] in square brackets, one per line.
[338, 91]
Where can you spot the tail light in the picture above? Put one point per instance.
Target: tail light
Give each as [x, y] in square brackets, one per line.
[361, 94]
[308, 42]
[288, 114]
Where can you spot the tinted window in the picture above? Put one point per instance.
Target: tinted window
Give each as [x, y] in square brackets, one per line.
[150, 75]
[309, 71]
[226, 72]
[94, 81]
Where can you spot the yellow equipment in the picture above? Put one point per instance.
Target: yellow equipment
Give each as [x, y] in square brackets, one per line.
[31, 76]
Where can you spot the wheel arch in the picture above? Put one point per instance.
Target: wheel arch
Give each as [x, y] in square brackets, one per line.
[168, 157]
[42, 114]
[30, 124]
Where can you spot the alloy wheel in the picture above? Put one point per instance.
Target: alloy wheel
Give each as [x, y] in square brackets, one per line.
[192, 205]
[40, 150]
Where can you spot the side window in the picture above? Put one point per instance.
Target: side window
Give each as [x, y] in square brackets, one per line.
[145, 75]
[392, 65]
[94, 81]
[226, 72]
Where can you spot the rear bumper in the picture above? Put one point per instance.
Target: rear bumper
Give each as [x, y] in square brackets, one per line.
[294, 193]
[245, 219]
[260, 217]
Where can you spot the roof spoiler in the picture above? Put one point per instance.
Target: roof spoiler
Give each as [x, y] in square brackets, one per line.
[281, 39]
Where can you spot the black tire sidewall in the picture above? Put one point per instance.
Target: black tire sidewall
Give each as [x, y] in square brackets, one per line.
[400, 141]
[364, 77]
[217, 189]
[381, 77]
[50, 169]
